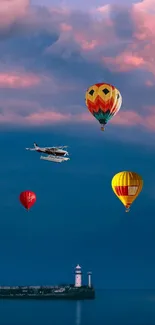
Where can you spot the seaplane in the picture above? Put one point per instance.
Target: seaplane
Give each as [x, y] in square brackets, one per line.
[55, 154]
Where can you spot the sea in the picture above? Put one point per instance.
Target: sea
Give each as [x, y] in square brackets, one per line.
[111, 307]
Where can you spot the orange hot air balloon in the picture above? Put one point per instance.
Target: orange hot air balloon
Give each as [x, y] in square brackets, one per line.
[27, 199]
[127, 186]
[103, 101]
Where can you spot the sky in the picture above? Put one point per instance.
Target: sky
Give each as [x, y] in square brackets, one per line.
[50, 53]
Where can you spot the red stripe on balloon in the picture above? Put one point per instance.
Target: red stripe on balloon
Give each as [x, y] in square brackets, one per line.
[121, 190]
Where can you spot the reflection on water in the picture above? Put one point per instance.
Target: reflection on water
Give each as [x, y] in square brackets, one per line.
[110, 308]
[78, 313]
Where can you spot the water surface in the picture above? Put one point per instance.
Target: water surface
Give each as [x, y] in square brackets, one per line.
[109, 308]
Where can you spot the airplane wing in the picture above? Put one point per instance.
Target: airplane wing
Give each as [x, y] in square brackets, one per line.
[31, 149]
[52, 148]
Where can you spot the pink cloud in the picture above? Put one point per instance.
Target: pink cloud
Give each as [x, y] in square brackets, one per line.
[84, 117]
[100, 37]
[31, 114]
[124, 62]
[143, 15]
[87, 38]
[11, 10]
[65, 27]
[128, 118]
[140, 53]
[88, 45]
[149, 83]
[145, 6]
[137, 55]
[47, 117]
[104, 9]
[92, 39]
[41, 117]
[131, 118]
[16, 80]
[45, 83]
[150, 121]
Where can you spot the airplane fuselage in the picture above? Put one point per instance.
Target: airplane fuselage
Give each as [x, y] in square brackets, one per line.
[56, 152]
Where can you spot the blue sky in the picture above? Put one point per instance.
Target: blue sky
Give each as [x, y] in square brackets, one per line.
[49, 56]
[77, 217]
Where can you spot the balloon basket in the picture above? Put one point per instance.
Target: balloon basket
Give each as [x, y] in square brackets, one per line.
[102, 128]
[127, 210]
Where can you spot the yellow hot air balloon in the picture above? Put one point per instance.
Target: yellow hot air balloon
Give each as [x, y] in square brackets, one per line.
[127, 186]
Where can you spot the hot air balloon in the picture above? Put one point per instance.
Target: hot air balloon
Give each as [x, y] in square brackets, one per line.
[27, 199]
[103, 101]
[127, 186]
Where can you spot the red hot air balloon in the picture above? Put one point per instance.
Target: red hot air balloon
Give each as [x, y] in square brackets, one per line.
[27, 199]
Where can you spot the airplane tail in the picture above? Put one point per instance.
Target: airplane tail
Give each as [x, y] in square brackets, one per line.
[33, 149]
[35, 145]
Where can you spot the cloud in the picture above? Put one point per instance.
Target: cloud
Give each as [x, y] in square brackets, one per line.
[23, 115]
[133, 119]
[149, 83]
[11, 10]
[30, 114]
[124, 62]
[50, 117]
[46, 118]
[146, 6]
[65, 27]
[49, 57]
[15, 80]
[129, 118]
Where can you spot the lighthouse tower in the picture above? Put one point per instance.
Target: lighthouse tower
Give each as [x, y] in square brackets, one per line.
[89, 279]
[78, 276]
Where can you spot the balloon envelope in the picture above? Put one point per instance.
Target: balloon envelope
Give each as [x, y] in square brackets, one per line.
[27, 199]
[103, 101]
[127, 186]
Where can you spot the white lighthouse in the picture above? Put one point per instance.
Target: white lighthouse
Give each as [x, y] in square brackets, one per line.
[89, 279]
[78, 276]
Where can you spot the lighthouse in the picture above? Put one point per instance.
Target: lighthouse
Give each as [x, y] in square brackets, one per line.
[78, 276]
[89, 279]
